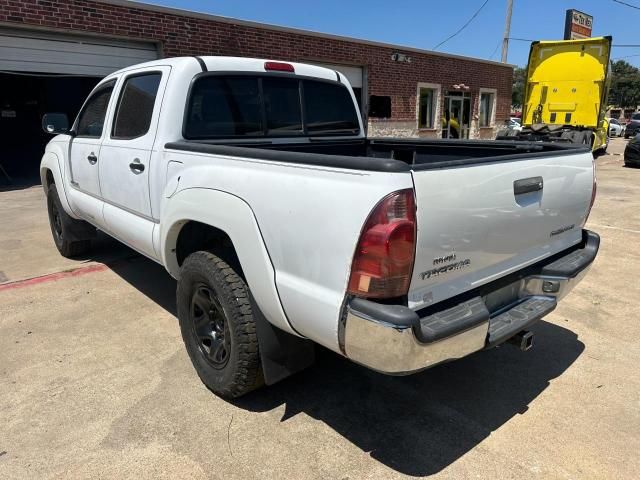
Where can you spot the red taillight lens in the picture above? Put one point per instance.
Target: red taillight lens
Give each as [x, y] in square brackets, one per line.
[383, 260]
[279, 67]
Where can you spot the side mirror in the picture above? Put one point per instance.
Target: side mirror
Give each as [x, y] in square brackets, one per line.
[55, 123]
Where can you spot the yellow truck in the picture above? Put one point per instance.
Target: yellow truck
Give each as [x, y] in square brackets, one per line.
[566, 93]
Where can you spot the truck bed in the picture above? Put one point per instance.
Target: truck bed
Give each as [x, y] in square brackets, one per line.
[484, 209]
[393, 155]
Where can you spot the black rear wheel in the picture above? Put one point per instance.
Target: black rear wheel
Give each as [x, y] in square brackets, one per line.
[217, 325]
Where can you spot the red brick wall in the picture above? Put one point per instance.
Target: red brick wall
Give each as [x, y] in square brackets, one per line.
[184, 35]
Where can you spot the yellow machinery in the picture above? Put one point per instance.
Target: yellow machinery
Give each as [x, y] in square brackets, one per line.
[566, 92]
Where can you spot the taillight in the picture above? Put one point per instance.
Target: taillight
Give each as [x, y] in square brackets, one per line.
[383, 261]
[279, 67]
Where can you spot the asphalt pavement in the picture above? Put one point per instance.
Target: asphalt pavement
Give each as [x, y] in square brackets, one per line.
[95, 381]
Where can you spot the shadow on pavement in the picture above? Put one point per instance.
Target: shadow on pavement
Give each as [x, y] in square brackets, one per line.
[417, 425]
[8, 184]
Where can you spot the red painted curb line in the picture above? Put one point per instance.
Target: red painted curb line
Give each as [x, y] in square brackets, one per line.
[53, 277]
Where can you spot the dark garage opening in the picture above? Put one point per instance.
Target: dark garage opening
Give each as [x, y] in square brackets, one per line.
[24, 98]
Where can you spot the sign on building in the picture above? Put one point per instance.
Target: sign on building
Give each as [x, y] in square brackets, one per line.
[577, 25]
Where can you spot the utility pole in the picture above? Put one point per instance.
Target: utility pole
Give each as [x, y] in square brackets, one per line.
[507, 31]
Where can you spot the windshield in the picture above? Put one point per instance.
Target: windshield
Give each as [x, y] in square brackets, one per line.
[248, 106]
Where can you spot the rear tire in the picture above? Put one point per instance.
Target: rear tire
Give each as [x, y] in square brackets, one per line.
[217, 325]
[62, 227]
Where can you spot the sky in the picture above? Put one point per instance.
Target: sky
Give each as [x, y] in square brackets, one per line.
[424, 24]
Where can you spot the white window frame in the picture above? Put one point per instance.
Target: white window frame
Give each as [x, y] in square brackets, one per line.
[492, 120]
[437, 89]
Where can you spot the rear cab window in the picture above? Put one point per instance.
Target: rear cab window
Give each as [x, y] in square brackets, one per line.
[263, 105]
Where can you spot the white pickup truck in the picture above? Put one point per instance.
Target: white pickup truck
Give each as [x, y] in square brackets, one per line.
[254, 184]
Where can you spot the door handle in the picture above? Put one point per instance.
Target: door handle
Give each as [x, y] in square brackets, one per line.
[136, 167]
[527, 185]
[92, 158]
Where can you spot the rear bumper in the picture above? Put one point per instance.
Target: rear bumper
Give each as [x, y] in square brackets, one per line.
[396, 340]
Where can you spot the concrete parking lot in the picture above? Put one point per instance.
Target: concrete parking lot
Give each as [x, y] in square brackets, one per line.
[95, 382]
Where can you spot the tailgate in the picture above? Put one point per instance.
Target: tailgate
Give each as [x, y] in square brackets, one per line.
[479, 222]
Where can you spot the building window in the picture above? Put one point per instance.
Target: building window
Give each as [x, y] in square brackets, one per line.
[426, 107]
[379, 106]
[487, 108]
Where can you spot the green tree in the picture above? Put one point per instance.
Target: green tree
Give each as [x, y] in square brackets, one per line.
[625, 85]
[519, 82]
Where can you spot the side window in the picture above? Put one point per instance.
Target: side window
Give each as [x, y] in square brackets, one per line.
[426, 110]
[486, 109]
[379, 106]
[92, 115]
[135, 106]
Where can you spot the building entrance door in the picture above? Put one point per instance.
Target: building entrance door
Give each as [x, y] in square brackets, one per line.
[456, 120]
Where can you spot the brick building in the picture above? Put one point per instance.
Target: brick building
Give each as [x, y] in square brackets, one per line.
[53, 52]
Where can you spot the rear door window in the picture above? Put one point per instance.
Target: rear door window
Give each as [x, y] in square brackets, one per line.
[135, 106]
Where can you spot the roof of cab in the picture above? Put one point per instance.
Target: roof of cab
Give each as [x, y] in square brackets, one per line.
[234, 64]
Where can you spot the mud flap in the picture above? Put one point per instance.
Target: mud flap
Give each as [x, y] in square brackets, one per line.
[281, 353]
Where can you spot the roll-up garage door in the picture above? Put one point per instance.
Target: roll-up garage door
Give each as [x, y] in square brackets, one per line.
[353, 74]
[34, 51]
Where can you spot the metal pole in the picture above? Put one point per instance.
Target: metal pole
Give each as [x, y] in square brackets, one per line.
[507, 31]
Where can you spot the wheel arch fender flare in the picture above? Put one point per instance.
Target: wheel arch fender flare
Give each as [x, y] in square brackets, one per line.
[52, 161]
[232, 215]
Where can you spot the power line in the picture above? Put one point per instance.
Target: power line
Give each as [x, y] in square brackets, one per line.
[463, 27]
[495, 50]
[626, 4]
[626, 56]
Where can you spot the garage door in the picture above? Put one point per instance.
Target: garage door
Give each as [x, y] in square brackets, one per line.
[353, 74]
[30, 51]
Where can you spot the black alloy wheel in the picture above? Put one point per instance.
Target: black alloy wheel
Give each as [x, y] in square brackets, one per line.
[210, 327]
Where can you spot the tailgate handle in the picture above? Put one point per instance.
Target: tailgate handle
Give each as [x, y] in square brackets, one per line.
[527, 185]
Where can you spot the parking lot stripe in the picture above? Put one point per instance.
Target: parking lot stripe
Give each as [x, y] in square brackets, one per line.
[52, 277]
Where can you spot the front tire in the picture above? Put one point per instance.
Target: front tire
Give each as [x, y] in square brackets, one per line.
[62, 227]
[217, 325]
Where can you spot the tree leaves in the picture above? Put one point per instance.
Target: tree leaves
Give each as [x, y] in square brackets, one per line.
[519, 84]
[625, 85]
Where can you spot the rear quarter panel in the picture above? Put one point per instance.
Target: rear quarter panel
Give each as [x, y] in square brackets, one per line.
[309, 218]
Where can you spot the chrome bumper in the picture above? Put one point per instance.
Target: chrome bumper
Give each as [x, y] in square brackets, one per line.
[388, 338]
